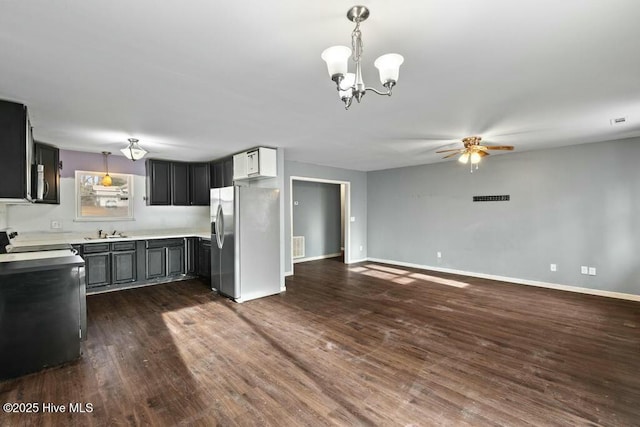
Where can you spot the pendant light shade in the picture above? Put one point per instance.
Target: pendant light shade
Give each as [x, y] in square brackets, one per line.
[336, 58]
[389, 67]
[475, 157]
[464, 158]
[133, 151]
[106, 179]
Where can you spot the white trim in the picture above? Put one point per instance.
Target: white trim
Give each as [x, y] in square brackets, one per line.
[515, 280]
[355, 261]
[288, 273]
[347, 214]
[256, 295]
[315, 258]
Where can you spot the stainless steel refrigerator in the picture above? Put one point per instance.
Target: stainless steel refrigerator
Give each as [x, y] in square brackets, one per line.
[245, 242]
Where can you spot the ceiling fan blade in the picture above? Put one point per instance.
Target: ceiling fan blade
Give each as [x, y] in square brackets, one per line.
[451, 155]
[448, 151]
[483, 153]
[499, 147]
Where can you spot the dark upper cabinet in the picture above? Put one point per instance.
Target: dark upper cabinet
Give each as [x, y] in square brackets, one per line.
[158, 182]
[199, 178]
[16, 146]
[180, 184]
[177, 183]
[222, 173]
[49, 157]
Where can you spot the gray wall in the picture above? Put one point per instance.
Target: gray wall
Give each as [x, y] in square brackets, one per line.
[316, 216]
[571, 206]
[358, 182]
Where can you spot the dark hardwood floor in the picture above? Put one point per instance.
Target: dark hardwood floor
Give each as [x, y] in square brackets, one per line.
[366, 344]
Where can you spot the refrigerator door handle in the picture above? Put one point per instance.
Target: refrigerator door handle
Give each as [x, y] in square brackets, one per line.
[218, 228]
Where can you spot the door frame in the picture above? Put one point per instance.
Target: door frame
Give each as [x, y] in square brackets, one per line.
[347, 214]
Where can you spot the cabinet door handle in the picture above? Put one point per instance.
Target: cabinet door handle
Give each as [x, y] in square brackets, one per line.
[46, 188]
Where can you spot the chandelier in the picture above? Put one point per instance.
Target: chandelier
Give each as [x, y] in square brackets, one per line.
[351, 85]
[133, 151]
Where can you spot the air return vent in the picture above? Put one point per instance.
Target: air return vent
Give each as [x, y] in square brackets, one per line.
[501, 198]
[298, 247]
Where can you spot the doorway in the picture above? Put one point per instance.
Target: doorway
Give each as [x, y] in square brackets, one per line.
[319, 217]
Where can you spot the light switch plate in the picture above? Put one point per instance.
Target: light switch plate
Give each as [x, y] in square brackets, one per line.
[439, 254]
[353, 219]
[553, 267]
[592, 271]
[584, 270]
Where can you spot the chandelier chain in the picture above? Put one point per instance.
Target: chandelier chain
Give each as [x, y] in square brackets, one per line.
[356, 42]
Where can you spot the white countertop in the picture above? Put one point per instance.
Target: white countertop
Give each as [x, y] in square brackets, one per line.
[26, 256]
[28, 239]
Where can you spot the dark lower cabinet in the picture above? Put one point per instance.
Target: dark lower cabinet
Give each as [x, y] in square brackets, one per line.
[97, 259]
[165, 257]
[192, 255]
[133, 263]
[123, 262]
[204, 258]
[175, 260]
[156, 262]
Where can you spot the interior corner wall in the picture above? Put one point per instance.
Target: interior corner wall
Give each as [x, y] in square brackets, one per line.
[316, 216]
[37, 217]
[571, 206]
[358, 202]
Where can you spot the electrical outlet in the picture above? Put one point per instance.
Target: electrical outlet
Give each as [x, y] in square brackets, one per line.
[56, 225]
[553, 267]
[353, 219]
[296, 203]
[439, 254]
[584, 270]
[592, 271]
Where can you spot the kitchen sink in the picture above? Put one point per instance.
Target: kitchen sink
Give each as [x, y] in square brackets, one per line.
[109, 236]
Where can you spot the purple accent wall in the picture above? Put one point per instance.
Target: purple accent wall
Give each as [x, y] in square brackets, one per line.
[79, 160]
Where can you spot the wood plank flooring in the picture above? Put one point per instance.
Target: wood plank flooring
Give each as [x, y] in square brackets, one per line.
[366, 344]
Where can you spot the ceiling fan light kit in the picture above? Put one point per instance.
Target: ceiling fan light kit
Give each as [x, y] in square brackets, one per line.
[473, 151]
[351, 85]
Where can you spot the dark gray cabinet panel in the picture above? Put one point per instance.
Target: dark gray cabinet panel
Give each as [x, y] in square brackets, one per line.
[156, 262]
[180, 184]
[158, 182]
[49, 157]
[97, 269]
[175, 260]
[222, 173]
[124, 266]
[192, 255]
[199, 183]
[14, 131]
[204, 258]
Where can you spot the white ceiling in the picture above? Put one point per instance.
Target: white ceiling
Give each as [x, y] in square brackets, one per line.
[203, 79]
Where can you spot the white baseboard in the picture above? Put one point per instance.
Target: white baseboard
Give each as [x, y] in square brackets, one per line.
[598, 292]
[315, 258]
[354, 261]
[256, 295]
[288, 273]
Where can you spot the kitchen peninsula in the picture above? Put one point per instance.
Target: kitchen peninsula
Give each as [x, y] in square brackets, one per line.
[42, 310]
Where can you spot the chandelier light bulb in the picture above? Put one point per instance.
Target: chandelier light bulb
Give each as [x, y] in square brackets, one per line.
[133, 151]
[464, 158]
[475, 157]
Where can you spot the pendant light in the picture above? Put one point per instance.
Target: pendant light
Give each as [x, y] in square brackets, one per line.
[106, 179]
[133, 151]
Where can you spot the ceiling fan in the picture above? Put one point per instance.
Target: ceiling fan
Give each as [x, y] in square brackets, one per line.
[473, 150]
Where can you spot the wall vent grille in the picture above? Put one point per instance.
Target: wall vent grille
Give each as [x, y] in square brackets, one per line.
[501, 198]
[298, 247]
